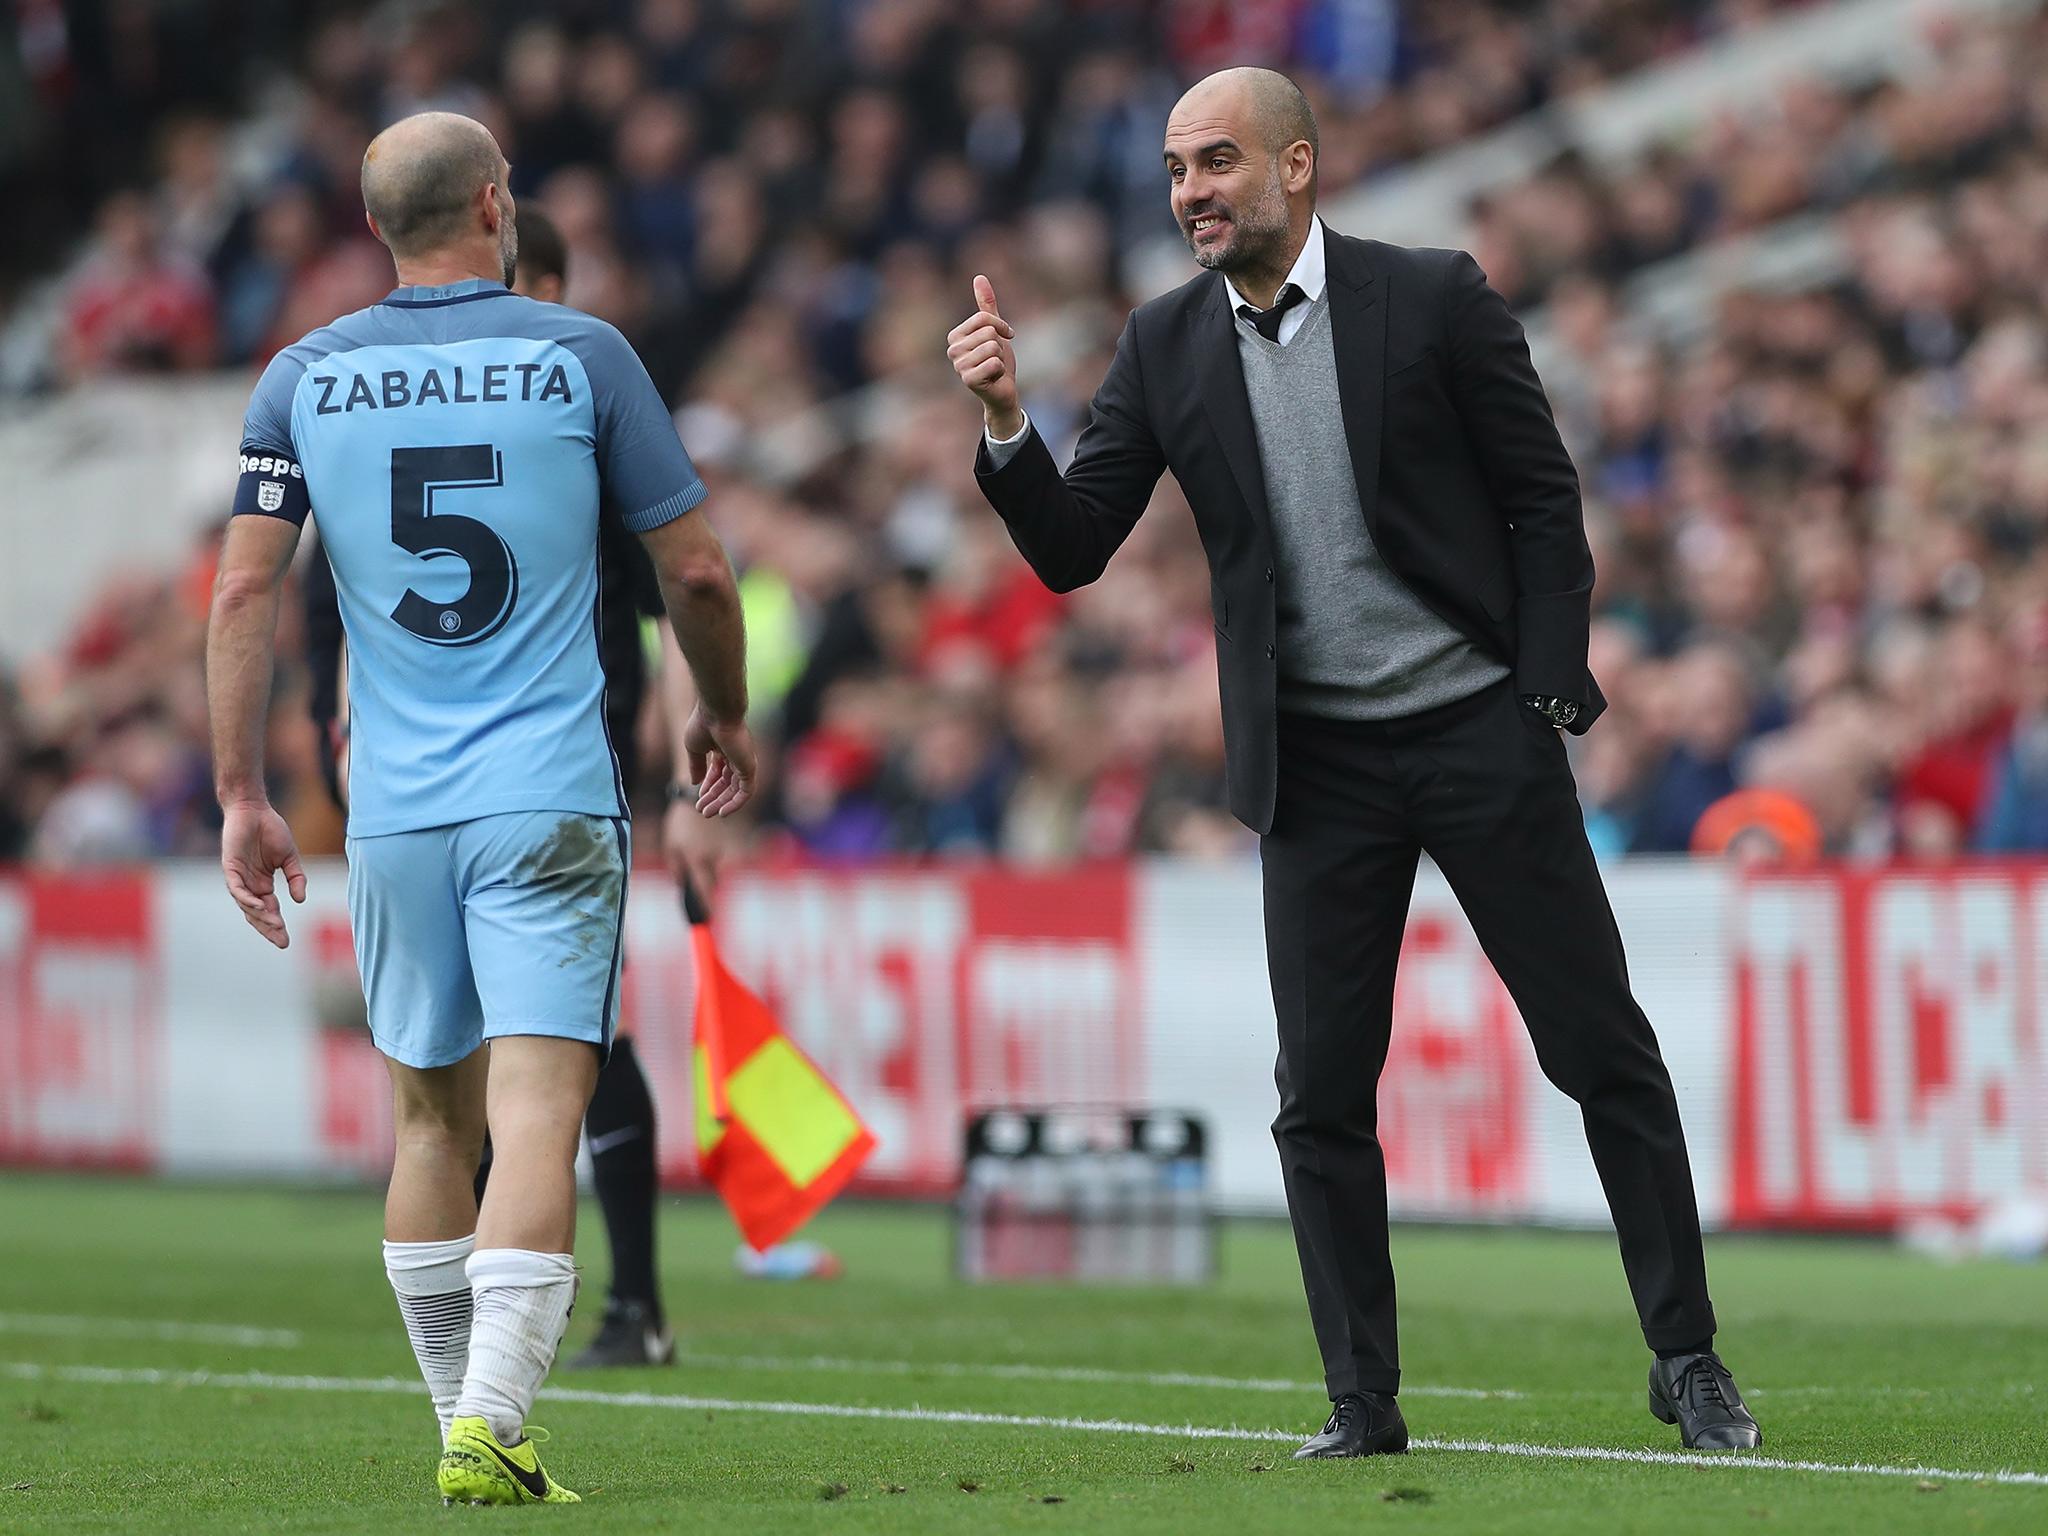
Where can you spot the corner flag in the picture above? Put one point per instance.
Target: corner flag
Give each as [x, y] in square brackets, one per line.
[774, 1137]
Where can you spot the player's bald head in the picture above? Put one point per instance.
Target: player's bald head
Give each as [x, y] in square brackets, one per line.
[1270, 108]
[421, 177]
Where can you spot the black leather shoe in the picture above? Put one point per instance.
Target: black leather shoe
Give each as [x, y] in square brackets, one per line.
[629, 1335]
[1361, 1424]
[1697, 1393]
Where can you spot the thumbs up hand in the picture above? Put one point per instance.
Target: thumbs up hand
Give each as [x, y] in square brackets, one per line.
[982, 356]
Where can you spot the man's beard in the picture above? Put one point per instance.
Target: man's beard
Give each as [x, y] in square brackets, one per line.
[1261, 230]
[508, 250]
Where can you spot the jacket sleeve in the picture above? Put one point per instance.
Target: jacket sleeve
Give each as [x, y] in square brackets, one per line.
[1507, 420]
[1068, 526]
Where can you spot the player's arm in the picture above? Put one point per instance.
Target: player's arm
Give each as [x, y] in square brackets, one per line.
[703, 603]
[241, 635]
[695, 848]
[649, 482]
[271, 505]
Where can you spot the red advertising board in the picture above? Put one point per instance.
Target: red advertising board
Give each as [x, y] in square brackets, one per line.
[1852, 1048]
[79, 1020]
[1887, 1044]
[921, 995]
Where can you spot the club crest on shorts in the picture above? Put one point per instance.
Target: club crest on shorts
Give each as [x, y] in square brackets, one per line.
[270, 495]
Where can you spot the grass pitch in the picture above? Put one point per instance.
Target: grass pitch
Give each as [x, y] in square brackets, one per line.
[199, 1359]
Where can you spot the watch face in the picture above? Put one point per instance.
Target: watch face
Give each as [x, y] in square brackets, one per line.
[1566, 712]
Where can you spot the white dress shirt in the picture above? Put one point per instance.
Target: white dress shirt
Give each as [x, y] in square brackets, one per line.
[1310, 273]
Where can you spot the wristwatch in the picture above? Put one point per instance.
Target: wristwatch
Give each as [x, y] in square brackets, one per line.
[1559, 712]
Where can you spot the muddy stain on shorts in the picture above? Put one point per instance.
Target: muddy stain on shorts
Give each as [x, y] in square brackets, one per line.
[579, 864]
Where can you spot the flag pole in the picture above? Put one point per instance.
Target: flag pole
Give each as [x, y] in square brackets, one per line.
[710, 1023]
[695, 912]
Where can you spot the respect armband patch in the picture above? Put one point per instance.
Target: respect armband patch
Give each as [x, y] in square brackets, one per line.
[272, 485]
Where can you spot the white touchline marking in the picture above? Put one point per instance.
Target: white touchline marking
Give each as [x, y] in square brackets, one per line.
[55, 1325]
[168, 1331]
[1001, 1371]
[24, 1370]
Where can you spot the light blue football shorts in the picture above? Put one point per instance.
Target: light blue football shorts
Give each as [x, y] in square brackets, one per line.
[505, 925]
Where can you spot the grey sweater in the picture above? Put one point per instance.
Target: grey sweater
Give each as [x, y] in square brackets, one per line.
[1354, 642]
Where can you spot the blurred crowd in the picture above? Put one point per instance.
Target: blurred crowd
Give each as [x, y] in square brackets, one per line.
[1823, 607]
[1820, 526]
[1819, 148]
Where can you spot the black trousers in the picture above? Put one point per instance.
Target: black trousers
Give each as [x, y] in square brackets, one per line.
[1484, 788]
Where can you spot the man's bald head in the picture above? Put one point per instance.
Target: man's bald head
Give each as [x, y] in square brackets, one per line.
[1241, 151]
[422, 181]
[1264, 98]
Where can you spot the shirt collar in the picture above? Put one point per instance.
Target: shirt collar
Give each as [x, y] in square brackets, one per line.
[446, 293]
[1309, 272]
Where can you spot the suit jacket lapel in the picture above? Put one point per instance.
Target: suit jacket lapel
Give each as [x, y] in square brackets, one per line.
[1224, 397]
[1358, 330]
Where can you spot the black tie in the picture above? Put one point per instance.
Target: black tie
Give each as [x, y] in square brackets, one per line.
[1267, 321]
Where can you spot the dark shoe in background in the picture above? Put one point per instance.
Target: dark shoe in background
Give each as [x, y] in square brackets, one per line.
[631, 1334]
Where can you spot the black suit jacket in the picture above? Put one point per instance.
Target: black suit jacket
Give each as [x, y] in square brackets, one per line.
[1466, 487]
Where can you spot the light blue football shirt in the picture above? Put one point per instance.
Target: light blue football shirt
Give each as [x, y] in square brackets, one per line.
[456, 446]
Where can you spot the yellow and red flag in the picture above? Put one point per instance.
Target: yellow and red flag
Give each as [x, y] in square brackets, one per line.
[774, 1137]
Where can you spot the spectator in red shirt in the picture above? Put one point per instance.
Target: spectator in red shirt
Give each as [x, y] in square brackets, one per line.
[132, 307]
[1943, 787]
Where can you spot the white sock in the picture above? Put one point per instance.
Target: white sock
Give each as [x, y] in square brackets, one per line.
[433, 1298]
[520, 1310]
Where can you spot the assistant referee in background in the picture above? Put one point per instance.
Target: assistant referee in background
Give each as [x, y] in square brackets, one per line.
[1402, 593]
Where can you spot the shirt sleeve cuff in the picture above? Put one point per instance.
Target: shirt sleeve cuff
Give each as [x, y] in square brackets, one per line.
[666, 511]
[1003, 449]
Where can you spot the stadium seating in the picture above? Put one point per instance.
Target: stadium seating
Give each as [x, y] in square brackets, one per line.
[1790, 334]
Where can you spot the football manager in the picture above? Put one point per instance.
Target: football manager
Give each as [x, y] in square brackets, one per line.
[1402, 590]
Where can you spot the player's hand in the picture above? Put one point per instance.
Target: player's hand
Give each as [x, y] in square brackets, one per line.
[980, 351]
[694, 847]
[721, 758]
[255, 844]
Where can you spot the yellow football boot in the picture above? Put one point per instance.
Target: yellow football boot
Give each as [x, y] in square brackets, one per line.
[476, 1469]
